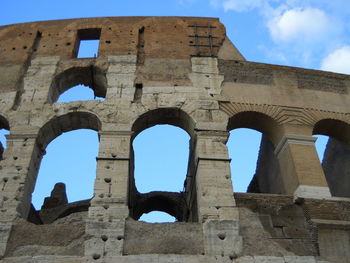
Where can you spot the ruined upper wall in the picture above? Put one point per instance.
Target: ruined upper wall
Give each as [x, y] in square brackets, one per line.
[145, 37]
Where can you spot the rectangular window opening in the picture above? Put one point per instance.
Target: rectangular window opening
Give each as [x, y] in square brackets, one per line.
[138, 92]
[88, 43]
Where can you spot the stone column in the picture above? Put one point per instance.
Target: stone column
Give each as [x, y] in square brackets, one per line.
[213, 179]
[108, 211]
[301, 170]
[215, 201]
[17, 182]
[18, 174]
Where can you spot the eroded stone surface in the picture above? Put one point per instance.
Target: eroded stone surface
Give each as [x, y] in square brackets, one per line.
[162, 70]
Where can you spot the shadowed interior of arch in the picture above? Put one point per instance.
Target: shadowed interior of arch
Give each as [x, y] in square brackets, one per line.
[333, 148]
[161, 157]
[254, 166]
[320, 145]
[70, 158]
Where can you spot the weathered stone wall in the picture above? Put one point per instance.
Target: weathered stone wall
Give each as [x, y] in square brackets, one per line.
[267, 177]
[184, 72]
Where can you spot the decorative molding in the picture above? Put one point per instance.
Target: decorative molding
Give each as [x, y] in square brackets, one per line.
[313, 192]
[284, 114]
[293, 139]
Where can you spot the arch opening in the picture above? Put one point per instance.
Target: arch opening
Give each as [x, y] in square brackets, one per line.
[251, 146]
[160, 158]
[66, 152]
[157, 217]
[90, 76]
[334, 141]
[79, 92]
[4, 130]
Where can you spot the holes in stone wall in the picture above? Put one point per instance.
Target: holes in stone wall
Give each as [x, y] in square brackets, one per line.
[141, 47]
[87, 43]
[138, 92]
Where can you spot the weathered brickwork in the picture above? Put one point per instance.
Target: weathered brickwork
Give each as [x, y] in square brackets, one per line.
[184, 72]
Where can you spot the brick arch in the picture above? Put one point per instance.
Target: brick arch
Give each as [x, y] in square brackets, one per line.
[257, 121]
[335, 128]
[91, 76]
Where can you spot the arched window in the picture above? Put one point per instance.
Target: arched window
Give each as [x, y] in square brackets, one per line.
[336, 157]
[160, 157]
[79, 77]
[254, 166]
[70, 159]
[70, 142]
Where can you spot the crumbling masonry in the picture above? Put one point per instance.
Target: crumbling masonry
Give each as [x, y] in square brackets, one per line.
[184, 72]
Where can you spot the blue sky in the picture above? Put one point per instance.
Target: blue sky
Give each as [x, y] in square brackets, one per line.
[303, 33]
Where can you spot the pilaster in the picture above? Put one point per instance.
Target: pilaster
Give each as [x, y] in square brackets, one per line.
[300, 167]
[108, 211]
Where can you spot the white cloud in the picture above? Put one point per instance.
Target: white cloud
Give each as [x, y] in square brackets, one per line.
[241, 5]
[308, 25]
[214, 3]
[338, 61]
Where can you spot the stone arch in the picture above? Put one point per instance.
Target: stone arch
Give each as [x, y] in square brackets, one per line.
[267, 177]
[170, 202]
[335, 128]
[91, 76]
[172, 116]
[257, 121]
[48, 132]
[64, 123]
[336, 160]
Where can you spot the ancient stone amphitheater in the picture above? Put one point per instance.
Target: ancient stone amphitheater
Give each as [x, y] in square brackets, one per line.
[183, 72]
